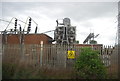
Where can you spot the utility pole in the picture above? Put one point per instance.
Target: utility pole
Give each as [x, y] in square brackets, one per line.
[118, 23]
[118, 36]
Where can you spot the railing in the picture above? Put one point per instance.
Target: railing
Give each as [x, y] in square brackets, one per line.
[56, 56]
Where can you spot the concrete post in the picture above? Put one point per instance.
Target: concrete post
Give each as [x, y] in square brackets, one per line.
[41, 52]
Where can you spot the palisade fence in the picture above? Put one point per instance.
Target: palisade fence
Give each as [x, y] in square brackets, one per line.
[55, 56]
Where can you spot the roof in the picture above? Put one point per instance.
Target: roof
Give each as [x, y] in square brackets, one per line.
[35, 34]
[40, 34]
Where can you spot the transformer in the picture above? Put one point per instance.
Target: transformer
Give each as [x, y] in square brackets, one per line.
[64, 32]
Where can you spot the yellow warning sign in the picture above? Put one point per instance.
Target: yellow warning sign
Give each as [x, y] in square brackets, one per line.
[71, 54]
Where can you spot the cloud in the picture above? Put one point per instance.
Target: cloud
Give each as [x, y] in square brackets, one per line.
[78, 11]
[86, 10]
[83, 15]
[60, 0]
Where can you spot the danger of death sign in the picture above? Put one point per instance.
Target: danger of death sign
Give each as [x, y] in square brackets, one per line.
[71, 54]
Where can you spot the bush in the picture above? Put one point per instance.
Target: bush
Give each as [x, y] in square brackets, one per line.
[89, 66]
[93, 42]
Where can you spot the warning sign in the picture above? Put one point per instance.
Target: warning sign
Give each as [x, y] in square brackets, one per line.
[71, 54]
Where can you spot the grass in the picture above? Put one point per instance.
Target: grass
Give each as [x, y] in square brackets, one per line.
[22, 71]
[15, 71]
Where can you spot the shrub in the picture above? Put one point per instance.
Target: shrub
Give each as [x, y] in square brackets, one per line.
[93, 42]
[89, 66]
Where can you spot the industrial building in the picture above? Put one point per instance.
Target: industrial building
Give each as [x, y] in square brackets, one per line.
[64, 33]
[26, 39]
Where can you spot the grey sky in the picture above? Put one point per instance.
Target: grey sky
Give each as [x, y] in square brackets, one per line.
[99, 17]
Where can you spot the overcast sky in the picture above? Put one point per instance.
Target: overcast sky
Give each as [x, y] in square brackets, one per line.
[97, 17]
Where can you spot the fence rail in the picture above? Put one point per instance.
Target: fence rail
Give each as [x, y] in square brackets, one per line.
[55, 56]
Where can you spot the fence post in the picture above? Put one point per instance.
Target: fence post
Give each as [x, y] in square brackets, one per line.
[92, 46]
[65, 57]
[22, 52]
[41, 52]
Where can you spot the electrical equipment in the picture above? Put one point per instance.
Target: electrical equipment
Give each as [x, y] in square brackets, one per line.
[36, 29]
[15, 25]
[71, 34]
[66, 21]
[91, 35]
[64, 32]
[20, 29]
[29, 25]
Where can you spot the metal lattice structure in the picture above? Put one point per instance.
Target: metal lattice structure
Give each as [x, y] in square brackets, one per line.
[64, 32]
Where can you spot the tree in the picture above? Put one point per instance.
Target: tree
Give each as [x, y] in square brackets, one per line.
[89, 66]
[93, 42]
[77, 42]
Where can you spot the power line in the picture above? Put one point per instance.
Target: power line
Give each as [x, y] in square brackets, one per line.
[48, 31]
[10, 22]
[6, 21]
[27, 20]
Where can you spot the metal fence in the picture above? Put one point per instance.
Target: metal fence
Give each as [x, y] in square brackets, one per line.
[56, 56]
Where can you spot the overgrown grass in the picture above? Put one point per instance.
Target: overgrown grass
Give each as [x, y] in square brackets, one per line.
[15, 71]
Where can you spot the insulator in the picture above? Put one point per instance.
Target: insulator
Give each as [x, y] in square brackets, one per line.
[15, 22]
[36, 29]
